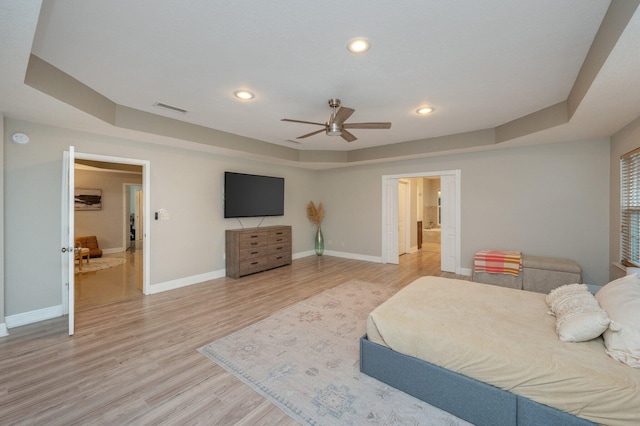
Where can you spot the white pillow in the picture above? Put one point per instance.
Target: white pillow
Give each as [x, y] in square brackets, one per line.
[579, 317]
[621, 300]
[564, 290]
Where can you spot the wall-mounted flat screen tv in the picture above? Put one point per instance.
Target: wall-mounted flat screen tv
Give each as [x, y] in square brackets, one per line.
[252, 195]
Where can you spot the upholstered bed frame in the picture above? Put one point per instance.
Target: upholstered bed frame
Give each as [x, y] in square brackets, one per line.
[467, 398]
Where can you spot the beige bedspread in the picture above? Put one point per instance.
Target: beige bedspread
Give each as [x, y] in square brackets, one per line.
[506, 338]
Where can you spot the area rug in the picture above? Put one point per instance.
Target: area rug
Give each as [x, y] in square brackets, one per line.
[305, 360]
[98, 263]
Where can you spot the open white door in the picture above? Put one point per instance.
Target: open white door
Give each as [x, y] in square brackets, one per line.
[390, 220]
[448, 242]
[68, 242]
[402, 217]
[139, 215]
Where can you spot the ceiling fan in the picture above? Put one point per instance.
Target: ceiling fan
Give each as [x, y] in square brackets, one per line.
[336, 125]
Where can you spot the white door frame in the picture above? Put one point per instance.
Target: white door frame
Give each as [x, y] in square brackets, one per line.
[126, 205]
[146, 182]
[390, 213]
[407, 216]
[67, 237]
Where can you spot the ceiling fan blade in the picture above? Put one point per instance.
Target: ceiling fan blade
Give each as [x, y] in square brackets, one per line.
[347, 136]
[300, 121]
[311, 134]
[367, 125]
[342, 114]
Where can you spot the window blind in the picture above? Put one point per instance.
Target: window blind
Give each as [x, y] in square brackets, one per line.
[630, 208]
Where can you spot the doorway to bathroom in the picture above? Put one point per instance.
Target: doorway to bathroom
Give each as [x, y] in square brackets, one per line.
[429, 213]
[439, 212]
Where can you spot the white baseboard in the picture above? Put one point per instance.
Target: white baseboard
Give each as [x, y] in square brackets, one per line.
[354, 256]
[3, 330]
[186, 281]
[464, 271]
[303, 254]
[33, 316]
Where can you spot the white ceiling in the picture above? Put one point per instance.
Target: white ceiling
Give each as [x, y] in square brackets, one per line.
[480, 64]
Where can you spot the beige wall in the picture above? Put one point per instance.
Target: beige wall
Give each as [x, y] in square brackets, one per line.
[110, 224]
[187, 184]
[624, 141]
[544, 200]
[2, 302]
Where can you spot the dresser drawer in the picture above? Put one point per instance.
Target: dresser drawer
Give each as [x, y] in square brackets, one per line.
[253, 239]
[249, 266]
[279, 259]
[279, 248]
[277, 236]
[253, 252]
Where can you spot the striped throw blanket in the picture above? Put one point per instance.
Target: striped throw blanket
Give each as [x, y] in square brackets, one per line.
[498, 262]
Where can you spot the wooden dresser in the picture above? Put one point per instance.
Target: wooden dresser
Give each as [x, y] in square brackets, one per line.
[257, 249]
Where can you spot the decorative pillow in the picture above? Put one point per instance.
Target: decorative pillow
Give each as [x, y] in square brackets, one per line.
[562, 291]
[579, 317]
[621, 300]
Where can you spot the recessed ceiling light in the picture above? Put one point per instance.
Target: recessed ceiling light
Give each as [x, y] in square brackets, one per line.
[358, 45]
[243, 94]
[424, 110]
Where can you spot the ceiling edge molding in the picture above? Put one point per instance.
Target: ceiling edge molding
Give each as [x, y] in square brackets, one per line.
[425, 147]
[56, 83]
[544, 119]
[48, 79]
[613, 25]
[134, 119]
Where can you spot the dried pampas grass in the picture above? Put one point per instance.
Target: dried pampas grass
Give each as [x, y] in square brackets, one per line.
[314, 214]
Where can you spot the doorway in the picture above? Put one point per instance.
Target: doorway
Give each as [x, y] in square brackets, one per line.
[404, 217]
[123, 268]
[429, 213]
[450, 216]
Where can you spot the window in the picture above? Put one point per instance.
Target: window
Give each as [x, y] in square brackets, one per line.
[630, 208]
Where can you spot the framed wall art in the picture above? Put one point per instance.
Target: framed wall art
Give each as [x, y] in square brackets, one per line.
[88, 199]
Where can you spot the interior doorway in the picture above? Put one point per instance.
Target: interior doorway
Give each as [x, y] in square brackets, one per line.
[448, 214]
[122, 271]
[404, 217]
[429, 213]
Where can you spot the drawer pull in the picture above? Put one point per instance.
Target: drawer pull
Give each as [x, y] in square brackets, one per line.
[254, 244]
[254, 263]
[254, 236]
[255, 252]
[279, 257]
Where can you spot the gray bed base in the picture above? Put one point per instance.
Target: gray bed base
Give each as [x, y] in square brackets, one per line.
[462, 396]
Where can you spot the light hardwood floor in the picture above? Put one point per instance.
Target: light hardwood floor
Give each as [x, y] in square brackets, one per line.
[110, 285]
[136, 361]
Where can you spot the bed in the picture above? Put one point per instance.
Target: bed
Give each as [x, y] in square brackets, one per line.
[491, 355]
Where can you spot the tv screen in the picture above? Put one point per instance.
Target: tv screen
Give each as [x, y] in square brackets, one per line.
[252, 195]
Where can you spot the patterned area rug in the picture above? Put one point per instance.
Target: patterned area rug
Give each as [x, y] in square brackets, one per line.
[98, 263]
[305, 360]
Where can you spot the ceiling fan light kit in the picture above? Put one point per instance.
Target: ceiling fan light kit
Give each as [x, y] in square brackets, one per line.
[336, 125]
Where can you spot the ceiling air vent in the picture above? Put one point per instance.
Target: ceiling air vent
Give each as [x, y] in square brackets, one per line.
[170, 107]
